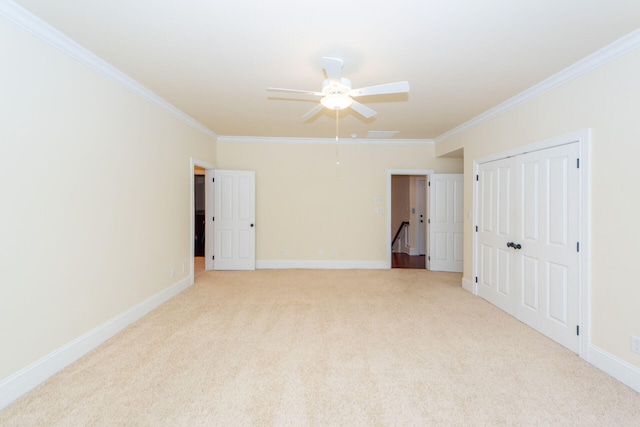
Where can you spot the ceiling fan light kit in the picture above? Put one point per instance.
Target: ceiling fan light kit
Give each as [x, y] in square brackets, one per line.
[336, 102]
[337, 94]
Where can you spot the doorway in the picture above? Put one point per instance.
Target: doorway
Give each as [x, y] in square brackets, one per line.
[407, 207]
[199, 219]
[201, 208]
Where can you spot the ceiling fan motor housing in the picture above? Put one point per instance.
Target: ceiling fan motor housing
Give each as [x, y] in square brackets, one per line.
[332, 87]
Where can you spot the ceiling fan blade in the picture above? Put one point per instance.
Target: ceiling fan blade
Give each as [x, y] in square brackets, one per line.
[315, 110]
[308, 92]
[398, 87]
[333, 67]
[363, 110]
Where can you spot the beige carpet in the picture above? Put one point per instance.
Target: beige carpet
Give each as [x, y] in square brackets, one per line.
[325, 348]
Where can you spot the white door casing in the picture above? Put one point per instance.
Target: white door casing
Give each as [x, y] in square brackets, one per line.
[445, 222]
[421, 214]
[528, 229]
[234, 223]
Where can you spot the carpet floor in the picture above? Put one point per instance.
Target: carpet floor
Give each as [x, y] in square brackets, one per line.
[327, 348]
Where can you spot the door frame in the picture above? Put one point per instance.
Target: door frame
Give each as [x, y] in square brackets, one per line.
[389, 231]
[583, 139]
[208, 213]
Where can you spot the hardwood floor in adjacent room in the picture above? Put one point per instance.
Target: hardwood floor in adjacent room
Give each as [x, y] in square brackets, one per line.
[401, 260]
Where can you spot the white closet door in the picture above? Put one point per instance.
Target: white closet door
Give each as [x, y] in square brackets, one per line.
[234, 223]
[446, 220]
[527, 243]
[548, 232]
[496, 193]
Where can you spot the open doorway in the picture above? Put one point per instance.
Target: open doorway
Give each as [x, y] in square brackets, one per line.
[201, 208]
[199, 223]
[407, 196]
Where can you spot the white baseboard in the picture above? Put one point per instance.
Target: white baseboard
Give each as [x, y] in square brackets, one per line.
[33, 375]
[322, 265]
[619, 369]
[469, 286]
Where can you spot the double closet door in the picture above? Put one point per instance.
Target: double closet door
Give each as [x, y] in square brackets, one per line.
[527, 239]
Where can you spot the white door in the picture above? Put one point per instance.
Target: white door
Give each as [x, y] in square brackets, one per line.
[445, 222]
[234, 220]
[527, 241]
[495, 228]
[547, 267]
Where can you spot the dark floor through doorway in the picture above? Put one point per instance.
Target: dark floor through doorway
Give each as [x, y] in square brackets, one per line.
[400, 260]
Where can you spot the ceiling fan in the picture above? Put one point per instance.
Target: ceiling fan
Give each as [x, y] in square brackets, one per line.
[336, 93]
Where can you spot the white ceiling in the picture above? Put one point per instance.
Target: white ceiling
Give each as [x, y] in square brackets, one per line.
[213, 59]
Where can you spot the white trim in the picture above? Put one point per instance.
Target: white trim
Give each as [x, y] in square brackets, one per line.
[36, 373]
[329, 141]
[619, 369]
[320, 265]
[389, 231]
[583, 139]
[37, 27]
[597, 59]
[470, 286]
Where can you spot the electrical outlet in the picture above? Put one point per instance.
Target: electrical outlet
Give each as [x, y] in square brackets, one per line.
[635, 344]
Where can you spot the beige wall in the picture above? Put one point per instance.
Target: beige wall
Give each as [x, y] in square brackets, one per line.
[95, 186]
[306, 203]
[606, 100]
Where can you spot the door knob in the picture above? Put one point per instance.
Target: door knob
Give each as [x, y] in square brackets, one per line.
[516, 246]
[251, 225]
[510, 245]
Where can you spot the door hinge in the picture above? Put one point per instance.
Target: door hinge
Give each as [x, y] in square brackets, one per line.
[577, 246]
[429, 184]
[578, 163]
[476, 228]
[429, 258]
[477, 178]
[476, 279]
[213, 180]
[213, 218]
[429, 221]
[213, 257]
[577, 329]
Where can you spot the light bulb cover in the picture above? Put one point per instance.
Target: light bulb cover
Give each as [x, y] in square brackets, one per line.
[336, 101]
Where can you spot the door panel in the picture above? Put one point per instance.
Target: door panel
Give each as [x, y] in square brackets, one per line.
[495, 269]
[553, 202]
[446, 220]
[234, 225]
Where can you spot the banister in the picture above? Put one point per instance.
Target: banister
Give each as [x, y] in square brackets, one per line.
[402, 225]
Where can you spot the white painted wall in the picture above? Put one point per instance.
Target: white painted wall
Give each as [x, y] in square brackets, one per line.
[307, 206]
[606, 100]
[95, 187]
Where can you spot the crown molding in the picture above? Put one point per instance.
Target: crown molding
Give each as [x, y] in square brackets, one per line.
[327, 141]
[19, 16]
[597, 59]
